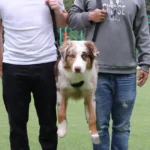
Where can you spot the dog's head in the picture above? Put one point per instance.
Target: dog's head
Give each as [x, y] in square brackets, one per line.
[78, 56]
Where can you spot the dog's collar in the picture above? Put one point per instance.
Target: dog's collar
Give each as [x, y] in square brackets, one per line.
[77, 85]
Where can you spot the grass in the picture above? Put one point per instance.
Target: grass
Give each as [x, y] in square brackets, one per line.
[78, 137]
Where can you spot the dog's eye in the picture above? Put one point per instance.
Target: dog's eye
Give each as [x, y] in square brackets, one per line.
[84, 56]
[71, 56]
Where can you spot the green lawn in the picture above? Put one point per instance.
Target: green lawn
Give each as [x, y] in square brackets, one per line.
[78, 137]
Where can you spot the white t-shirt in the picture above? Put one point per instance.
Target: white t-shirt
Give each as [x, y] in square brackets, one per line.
[29, 37]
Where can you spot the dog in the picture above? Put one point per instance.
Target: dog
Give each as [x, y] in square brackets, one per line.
[76, 78]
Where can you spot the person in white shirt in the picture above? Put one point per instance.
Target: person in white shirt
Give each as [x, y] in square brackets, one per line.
[27, 59]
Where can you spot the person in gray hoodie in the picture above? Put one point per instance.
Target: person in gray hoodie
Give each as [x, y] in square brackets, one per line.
[124, 28]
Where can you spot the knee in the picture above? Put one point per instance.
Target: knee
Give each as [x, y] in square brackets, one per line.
[121, 128]
[103, 129]
[102, 124]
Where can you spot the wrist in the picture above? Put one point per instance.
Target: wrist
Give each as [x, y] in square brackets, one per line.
[90, 14]
[145, 68]
[57, 11]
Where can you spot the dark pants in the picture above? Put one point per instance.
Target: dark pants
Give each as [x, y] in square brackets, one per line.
[18, 83]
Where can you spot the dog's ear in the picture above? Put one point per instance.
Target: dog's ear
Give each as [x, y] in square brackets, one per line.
[64, 49]
[92, 48]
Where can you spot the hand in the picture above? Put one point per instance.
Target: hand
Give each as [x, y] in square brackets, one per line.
[97, 15]
[54, 4]
[142, 77]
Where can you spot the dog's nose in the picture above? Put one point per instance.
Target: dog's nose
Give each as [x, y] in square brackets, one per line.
[77, 69]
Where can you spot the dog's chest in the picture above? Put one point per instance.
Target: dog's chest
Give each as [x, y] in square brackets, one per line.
[79, 92]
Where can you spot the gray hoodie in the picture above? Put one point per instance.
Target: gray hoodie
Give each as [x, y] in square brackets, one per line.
[125, 28]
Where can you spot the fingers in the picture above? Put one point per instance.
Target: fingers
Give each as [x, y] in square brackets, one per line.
[52, 1]
[100, 12]
[53, 4]
[142, 78]
[46, 1]
[97, 15]
[103, 11]
[100, 15]
[140, 75]
[101, 19]
[142, 82]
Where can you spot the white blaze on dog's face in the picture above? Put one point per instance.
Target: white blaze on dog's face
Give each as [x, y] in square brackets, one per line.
[78, 56]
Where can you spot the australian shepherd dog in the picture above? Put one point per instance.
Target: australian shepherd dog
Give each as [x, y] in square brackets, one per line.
[76, 78]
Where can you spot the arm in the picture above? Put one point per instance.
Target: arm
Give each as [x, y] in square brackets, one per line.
[141, 30]
[60, 14]
[142, 36]
[61, 18]
[1, 48]
[80, 18]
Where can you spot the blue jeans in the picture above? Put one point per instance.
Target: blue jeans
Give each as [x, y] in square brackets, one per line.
[115, 96]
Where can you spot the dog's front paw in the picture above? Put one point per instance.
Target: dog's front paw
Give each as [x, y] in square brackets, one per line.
[61, 133]
[62, 129]
[95, 138]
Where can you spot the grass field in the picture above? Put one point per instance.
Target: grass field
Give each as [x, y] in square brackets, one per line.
[78, 137]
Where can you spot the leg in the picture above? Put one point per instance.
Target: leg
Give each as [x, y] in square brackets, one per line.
[125, 94]
[86, 112]
[103, 109]
[62, 107]
[16, 95]
[44, 92]
[90, 111]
